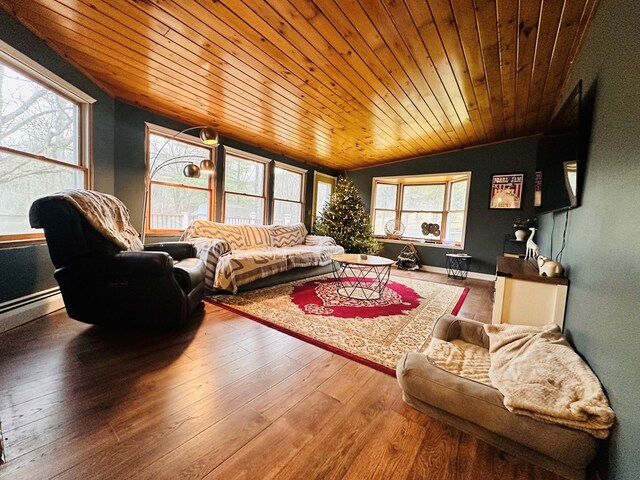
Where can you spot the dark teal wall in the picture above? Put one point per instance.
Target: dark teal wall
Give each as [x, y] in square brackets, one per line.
[602, 253]
[26, 270]
[485, 228]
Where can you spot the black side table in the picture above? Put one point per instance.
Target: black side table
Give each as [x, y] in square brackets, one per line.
[458, 265]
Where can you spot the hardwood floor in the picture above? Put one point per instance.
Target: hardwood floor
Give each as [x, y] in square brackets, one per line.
[227, 398]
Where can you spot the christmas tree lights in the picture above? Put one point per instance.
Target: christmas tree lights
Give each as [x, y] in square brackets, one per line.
[344, 219]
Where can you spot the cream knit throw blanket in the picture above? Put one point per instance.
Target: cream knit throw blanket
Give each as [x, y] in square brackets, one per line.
[460, 358]
[541, 376]
[105, 213]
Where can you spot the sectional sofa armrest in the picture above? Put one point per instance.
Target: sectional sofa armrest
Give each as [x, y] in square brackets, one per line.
[319, 240]
[449, 328]
[209, 250]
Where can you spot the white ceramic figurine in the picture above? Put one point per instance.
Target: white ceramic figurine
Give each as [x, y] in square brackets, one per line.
[549, 268]
[532, 247]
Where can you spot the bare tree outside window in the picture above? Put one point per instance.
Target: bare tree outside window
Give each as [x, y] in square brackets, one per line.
[440, 199]
[287, 196]
[39, 147]
[244, 186]
[177, 200]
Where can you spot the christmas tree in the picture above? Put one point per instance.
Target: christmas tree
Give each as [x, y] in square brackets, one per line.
[344, 219]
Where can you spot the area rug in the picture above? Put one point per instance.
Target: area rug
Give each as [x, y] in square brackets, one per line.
[374, 332]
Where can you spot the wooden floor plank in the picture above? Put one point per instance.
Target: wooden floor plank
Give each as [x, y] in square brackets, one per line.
[390, 453]
[153, 435]
[204, 452]
[277, 400]
[344, 385]
[272, 449]
[225, 398]
[331, 452]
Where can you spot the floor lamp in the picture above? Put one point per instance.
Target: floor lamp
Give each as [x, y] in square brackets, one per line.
[208, 136]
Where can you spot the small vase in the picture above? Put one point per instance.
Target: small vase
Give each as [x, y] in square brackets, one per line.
[521, 235]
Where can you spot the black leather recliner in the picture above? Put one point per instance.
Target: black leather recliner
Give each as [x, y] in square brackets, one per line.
[103, 285]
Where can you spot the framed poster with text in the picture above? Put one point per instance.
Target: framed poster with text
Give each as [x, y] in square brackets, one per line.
[506, 191]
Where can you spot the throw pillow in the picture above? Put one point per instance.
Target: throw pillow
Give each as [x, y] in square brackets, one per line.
[287, 235]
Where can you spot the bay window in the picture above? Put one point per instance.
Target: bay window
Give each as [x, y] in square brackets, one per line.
[409, 204]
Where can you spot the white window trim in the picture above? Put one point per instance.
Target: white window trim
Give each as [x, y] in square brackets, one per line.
[303, 188]
[12, 56]
[20, 61]
[183, 137]
[418, 179]
[247, 156]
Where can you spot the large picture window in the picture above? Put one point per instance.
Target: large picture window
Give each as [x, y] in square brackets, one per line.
[245, 179]
[288, 194]
[418, 200]
[44, 125]
[174, 199]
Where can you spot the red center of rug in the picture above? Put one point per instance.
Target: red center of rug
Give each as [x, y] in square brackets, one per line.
[319, 297]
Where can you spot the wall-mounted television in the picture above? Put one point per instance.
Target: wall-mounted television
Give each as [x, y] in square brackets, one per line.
[560, 160]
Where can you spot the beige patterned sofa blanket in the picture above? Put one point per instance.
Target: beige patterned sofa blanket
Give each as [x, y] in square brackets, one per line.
[107, 214]
[541, 376]
[237, 255]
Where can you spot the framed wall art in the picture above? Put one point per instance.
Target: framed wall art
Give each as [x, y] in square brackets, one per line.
[537, 196]
[506, 191]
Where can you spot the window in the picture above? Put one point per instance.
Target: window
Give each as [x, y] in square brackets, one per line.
[413, 201]
[44, 132]
[323, 188]
[245, 178]
[174, 199]
[288, 194]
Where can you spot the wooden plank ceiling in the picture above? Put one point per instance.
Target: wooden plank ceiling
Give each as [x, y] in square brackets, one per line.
[340, 83]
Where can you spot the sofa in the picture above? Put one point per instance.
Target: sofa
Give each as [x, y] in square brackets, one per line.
[241, 257]
[471, 405]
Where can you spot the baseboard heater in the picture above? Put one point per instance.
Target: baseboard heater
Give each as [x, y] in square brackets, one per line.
[24, 309]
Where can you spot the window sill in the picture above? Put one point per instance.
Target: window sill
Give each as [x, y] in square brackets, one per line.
[26, 242]
[419, 243]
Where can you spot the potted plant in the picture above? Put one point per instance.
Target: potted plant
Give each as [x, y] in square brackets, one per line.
[522, 227]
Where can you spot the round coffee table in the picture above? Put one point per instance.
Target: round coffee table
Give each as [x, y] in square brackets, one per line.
[361, 277]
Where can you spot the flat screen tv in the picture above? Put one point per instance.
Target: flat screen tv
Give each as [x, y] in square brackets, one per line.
[560, 158]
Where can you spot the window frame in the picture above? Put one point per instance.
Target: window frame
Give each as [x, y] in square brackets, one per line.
[173, 135]
[35, 72]
[303, 184]
[317, 178]
[241, 154]
[448, 179]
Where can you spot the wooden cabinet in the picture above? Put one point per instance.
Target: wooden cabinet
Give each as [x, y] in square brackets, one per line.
[524, 297]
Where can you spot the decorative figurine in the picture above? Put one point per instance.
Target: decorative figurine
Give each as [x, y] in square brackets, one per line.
[549, 268]
[532, 247]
